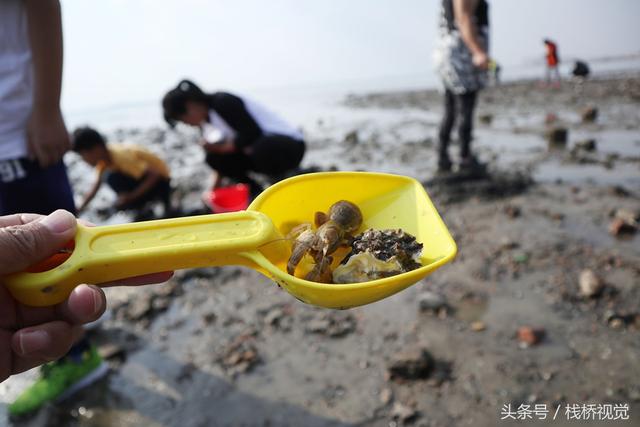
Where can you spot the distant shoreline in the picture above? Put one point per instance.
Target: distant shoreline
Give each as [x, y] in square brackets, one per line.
[612, 84]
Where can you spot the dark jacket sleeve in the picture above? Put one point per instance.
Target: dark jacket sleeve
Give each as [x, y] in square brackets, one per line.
[232, 109]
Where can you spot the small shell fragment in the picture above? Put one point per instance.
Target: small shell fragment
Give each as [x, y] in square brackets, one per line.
[379, 253]
[363, 267]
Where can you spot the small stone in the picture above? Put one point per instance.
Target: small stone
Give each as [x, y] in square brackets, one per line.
[546, 375]
[111, 351]
[586, 145]
[478, 326]
[209, 318]
[589, 114]
[530, 336]
[512, 211]
[628, 216]
[620, 227]
[386, 396]
[616, 323]
[352, 138]
[550, 119]
[620, 191]
[431, 301]
[590, 284]
[557, 136]
[486, 119]
[411, 364]
[403, 413]
[318, 326]
[508, 244]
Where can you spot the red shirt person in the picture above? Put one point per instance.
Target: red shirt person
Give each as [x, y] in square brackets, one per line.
[552, 61]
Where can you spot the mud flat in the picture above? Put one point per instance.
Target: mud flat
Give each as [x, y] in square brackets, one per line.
[513, 320]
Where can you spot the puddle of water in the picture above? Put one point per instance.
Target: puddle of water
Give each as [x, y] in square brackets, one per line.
[625, 143]
[627, 174]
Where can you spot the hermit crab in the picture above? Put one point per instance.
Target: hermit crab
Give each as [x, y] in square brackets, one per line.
[333, 230]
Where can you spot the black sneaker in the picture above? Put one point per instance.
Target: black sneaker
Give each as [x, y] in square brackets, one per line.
[472, 168]
[470, 163]
[444, 164]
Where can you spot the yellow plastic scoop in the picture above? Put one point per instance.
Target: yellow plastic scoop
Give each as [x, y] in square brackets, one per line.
[253, 238]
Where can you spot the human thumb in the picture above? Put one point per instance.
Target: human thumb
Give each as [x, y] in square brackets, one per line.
[24, 245]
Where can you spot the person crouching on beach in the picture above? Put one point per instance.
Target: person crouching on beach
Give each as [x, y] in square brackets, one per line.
[240, 136]
[137, 176]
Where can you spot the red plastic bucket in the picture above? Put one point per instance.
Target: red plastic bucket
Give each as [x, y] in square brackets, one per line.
[229, 199]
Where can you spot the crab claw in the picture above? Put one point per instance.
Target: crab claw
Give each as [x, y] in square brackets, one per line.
[301, 246]
[321, 272]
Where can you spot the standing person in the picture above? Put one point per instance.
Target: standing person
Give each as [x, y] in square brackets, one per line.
[250, 138]
[461, 61]
[33, 139]
[552, 62]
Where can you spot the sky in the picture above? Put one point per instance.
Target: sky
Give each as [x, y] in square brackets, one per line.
[123, 52]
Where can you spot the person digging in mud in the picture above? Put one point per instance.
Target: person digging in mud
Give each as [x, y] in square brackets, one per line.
[138, 176]
[461, 61]
[239, 135]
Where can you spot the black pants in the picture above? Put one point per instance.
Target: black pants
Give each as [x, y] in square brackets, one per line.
[272, 155]
[457, 105]
[121, 183]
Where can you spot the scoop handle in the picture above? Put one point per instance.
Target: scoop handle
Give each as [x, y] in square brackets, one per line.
[109, 253]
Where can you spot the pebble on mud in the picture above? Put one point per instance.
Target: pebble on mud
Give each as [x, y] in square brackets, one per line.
[619, 227]
[486, 119]
[411, 364]
[617, 320]
[550, 118]
[512, 211]
[589, 114]
[112, 351]
[403, 413]
[478, 326]
[557, 136]
[432, 302]
[352, 138]
[586, 145]
[386, 396]
[529, 336]
[590, 284]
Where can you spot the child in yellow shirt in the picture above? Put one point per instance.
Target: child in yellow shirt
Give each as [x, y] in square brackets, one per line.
[135, 174]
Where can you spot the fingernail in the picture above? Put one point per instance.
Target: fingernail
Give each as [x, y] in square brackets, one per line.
[34, 341]
[59, 221]
[97, 299]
